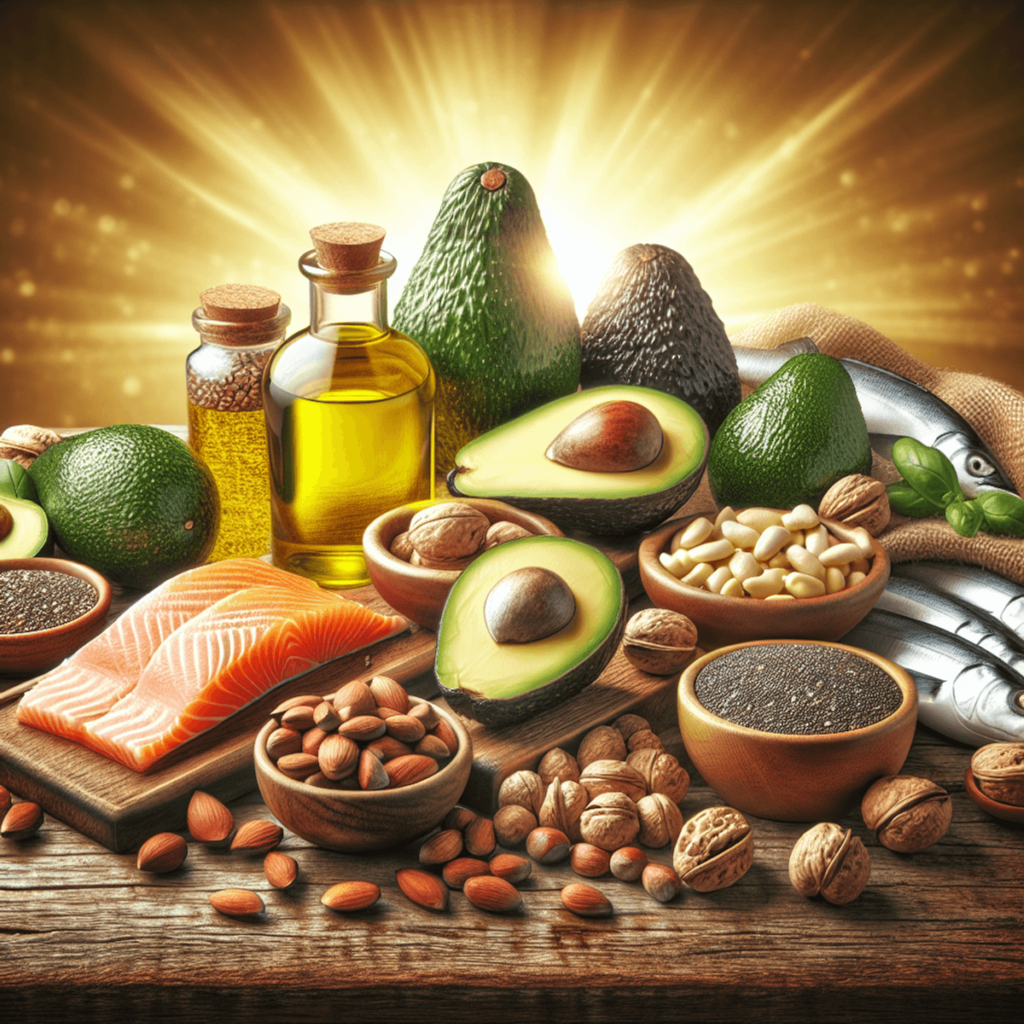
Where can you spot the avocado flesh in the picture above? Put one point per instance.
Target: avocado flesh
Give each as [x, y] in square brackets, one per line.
[509, 463]
[30, 530]
[488, 304]
[499, 684]
[652, 324]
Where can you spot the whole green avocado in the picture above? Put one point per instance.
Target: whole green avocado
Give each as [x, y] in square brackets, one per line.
[488, 304]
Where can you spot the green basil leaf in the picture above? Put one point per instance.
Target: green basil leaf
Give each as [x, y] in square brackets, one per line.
[927, 470]
[15, 481]
[907, 502]
[1003, 512]
[966, 517]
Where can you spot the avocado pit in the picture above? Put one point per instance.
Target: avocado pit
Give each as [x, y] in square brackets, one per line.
[614, 437]
[528, 604]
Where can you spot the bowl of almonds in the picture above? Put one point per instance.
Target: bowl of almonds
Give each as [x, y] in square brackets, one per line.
[414, 553]
[366, 768]
[760, 573]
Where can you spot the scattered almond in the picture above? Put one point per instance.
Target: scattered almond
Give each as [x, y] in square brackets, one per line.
[458, 817]
[661, 882]
[166, 851]
[441, 848]
[423, 888]
[5, 800]
[589, 860]
[488, 892]
[547, 845]
[209, 821]
[349, 897]
[236, 902]
[257, 837]
[21, 821]
[280, 869]
[628, 863]
[479, 837]
[585, 901]
[455, 872]
[511, 867]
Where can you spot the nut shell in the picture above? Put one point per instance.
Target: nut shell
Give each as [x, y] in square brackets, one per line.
[857, 500]
[558, 763]
[998, 770]
[512, 824]
[659, 641]
[603, 743]
[661, 772]
[610, 776]
[610, 821]
[449, 531]
[563, 807]
[525, 789]
[831, 862]
[714, 850]
[661, 821]
[907, 813]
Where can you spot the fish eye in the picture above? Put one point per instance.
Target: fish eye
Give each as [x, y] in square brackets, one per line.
[977, 465]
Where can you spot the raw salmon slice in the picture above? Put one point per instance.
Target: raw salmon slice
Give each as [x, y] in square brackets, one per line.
[95, 677]
[224, 658]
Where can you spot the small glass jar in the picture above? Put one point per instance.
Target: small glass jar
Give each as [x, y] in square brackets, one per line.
[239, 328]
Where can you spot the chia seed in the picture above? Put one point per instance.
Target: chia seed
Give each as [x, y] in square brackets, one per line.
[797, 689]
[35, 599]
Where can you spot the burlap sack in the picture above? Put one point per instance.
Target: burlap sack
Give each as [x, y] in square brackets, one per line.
[995, 410]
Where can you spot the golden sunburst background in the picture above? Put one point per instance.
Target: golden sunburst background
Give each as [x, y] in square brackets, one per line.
[868, 157]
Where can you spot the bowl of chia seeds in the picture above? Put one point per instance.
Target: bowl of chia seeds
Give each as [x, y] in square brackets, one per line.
[795, 730]
[49, 607]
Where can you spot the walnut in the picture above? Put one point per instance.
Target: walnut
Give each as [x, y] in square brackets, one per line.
[643, 740]
[449, 531]
[611, 776]
[906, 813]
[523, 788]
[857, 500]
[512, 824]
[563, 807]
[659, 641]
[998, 770]
[601, 744]
[401, 546]
[610, 821]
[661, 772]
[560, 763]
[502, 532]
[661, 821]
[24, 442]
[714, 849]
[831, 862]
[629, 724]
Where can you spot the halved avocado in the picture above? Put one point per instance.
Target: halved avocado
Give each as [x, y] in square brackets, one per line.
[503, 683]
[24, 529]
[510, 464]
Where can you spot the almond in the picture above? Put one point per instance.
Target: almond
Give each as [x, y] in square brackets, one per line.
[372, 773]
[283, 741]
[355, 695]
[389, 694]
[312, 738]
[298, 766]
[21, 821]
[236, 902]
[5, 800]
[304, 700]
[479, 837]
[386, 712]
[422, 888]
[511, 867]
[628, 863]
[433, 747]
[661, 882]
[441, 848]
[326, 717]
[547, 845]
[446, 734]
[456, 871]
[405, 728]
[257, 837]
[409, 768]
[321, 781]
[362, 728]
[280, 869]
[349, 897]
[338, 756]
[488, 892]
[387, 747]
[209, 821]
[458, 817]
[426, 713]
[589, 860]
[166, 851]
[299, 718]
[585, 900]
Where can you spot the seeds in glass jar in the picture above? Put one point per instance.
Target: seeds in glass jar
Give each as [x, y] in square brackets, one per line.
[36, 599]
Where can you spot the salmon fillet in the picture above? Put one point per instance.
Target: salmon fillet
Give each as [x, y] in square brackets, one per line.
[89, 683]
[226, 657]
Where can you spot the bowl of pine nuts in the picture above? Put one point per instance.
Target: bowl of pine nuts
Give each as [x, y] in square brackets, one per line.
[762, 574]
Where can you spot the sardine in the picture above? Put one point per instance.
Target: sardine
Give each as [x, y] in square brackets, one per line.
[963, 692]
[916, 600]
[895, 407]
[988, 592]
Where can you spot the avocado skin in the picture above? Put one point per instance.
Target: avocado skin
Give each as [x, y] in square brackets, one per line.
[512, 710]
[488, 304]
[787, 442]
[652, 324]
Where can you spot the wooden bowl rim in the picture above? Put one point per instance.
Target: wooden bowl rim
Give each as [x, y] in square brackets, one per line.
[687, 699]
[996, 808]
[652, 545]
[461, 762]
[65, 565]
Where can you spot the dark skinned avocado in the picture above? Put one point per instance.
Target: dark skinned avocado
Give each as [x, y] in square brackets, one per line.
[488, 304]
[501, 683]
[513, 463]
[652, 324]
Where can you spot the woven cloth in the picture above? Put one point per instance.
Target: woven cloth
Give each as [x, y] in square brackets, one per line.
[994, 409]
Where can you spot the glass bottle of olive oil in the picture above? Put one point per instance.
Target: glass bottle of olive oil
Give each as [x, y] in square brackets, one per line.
[239, 327]
[349, 407]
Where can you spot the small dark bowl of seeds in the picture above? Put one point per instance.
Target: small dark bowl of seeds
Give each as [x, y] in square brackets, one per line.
[795, 730]
[49, 607]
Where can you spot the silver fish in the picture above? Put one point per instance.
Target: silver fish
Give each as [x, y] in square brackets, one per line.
[916, 600]
[895, 407]
[963, 692]
[994, 595]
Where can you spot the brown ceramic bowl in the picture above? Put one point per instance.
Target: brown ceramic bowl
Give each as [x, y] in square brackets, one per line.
[356, 821]
[419, 594]
[728, 620]
[28, 653]
[787, 777]
[996, 808]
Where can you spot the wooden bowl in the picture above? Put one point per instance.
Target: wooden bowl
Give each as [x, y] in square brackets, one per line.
[419, 594]
[31, 653]
[729, 620]
[358, 821]
[995, 808]
[789, 777]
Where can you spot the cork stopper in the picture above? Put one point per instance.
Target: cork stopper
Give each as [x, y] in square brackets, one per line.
[345, 245]
[240, 303]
